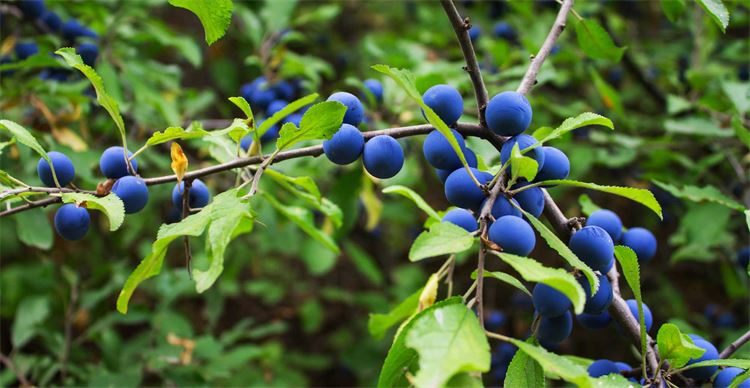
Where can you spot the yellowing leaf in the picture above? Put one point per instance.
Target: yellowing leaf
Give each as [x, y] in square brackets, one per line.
[429, 293]
[179, 161]
[69, 138]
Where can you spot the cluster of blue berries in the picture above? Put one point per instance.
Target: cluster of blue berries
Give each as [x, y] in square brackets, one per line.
[72, 31]
[640, 240]
[72, 220]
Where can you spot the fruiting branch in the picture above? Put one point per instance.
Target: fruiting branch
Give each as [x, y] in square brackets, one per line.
[726, 353]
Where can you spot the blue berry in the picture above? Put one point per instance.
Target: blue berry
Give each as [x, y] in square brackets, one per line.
[508, 113]
[64, 169]
[72, 29]
[531, 200]
[474, 33]
[648, 319]
[461, 191]
[593, 246]
[133, 192]
[25, 50]
[513, 235]
[553, 330]
[376, 88]
[727, 375]
[471, 160]
[607, 220]
[88, 53]
[275, 106]
[446, 102]
[595, 321]
[548, 301]
[285, 90]
[495, 321]
[199, 194]
[601, 300]
[504, 30]
[601, 368]
[556, 165]
[345, 146]
[52, 21]
[642, 242]
[438, 151]
[72, 222]
[703, 373]
[383, 156]
[462, 218]
[32, 9]
[524, 142]
[113, 163]
[503, 207]
[355, 112]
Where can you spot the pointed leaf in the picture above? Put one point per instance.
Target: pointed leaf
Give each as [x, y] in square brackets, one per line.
[571, 123]
[718, 11]
[111, 206]
[522, 166]
[675, 347]
[215, 15]
[642, 196]
[631, 270]
[304, 219]
[175, 133]
[555, 364]
[286, 111]
[596, 42]
[321, 121]
[378, 324]
[241, 103]
[505, 278]
[524, 371]
[416, 198]
[443, 238]
[701, 194]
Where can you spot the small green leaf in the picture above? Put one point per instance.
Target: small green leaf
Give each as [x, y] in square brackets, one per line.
[673, 9]
[675, 347]
[522, 166]
[571, 123]
[555, 364]
[105, 100]
[449, 340]
[642, 196]
[562, 248]
[524, 371]
[236, 130]
[378, 324]
[286, 111]
[416, 198]
[557, 278]
[365, 264]
[610, 97]
[321, 121]
[596, 42]
[304, 219]
[23, 136]
[734, 362]
[215, 15]
[587, 205]
[241, 103]
[311, 194]
[718, 11]
[443, 238]
[111, 205]
[175, 133]
[631, 270]
[739, 129]
[31, 313]
[701, 194]
[504, 277]
[34, 229]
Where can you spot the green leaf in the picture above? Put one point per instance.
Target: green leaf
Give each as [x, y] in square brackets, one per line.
[524, 371]
[522, 166]
[401, 359]
[311, 194]
[571, 123]
[737, 92]
[406, 80]
[587, 205]
[236, 130]
[378, 324]
[718, 11]
[31, 313]
[244, 106]
[276, 14]
[175, 133]
[34, 229]
[105, 100]
[111, 205]
[696, 126]
[504, 277]
[555, 364]
[215, 15]
[562, 248]
[673, 9]
[449, 340]
[557, 278]
[596, 42]
[289, 109]
[416, 198]
[23, 136]
[631, 270]
[229, 219]
[304, 219]
[675, 347]
[610, 97]
[443, 238]
[734, 362]
[701, 194]
[740, 131]
[364, 263]
[642, 196]
[321, 121]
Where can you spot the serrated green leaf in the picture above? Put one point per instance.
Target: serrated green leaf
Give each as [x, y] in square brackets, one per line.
[587, 205]
[321, 121]
[555, 243]
[675, 347]
[23, 136]
[34, 229]
[735, 362]
[311, 194]
[443, 238]
[642, 196]
[236, 130]
[449, 340]
[304, 219]
[215, 15]
[701, 194]
[557, 278]
[631, 271]
[406, 80]
[524, 371]
[596, 42]
[505, 278]
[416, 198]
[241, 103]
[739, 129]
[175, 133]
[522, 166]
[610, 97]
[105, 100]
[378, 324]
[111, 205]
[673, 9]
[555, 364]
[286, 111]
[718, 11]
[571, 123]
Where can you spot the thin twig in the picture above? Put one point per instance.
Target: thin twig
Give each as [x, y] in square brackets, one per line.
[5, 360]
[726, 353]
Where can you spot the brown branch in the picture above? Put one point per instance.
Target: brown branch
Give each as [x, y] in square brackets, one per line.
[726, 353]
[5, 360]
[529, 79]
[40, 190]
[461, 26]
